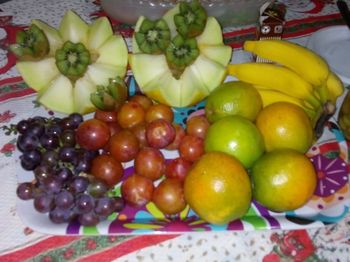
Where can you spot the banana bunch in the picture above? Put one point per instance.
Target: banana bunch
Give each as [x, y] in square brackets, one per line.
[298, 75]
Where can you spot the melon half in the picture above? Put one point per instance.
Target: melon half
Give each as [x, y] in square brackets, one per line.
[59, 93]
[207, 72]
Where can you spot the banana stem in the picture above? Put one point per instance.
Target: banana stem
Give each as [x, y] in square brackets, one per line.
[328, 110]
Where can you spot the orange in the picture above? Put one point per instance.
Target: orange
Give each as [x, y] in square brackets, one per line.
[233, 98]
[218, 188]
[283, 180]
[236, 136]
[285, 125]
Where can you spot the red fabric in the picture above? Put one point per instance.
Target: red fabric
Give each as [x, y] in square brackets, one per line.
[127, 247]
[37, 248]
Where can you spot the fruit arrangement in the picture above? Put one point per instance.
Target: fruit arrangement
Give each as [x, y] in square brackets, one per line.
[180, 58]
[66, 65]
[77, 163]
[248, 144]
[298, 76]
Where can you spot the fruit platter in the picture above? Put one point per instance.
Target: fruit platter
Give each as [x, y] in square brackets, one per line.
[168, 136]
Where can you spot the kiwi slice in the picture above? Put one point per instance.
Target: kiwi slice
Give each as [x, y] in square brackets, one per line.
[110, 97]
[191, 20]
[72, 60]
[181, 53]
[153, 37]
[31, 44]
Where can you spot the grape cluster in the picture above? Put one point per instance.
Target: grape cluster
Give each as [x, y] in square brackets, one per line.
[62, 186]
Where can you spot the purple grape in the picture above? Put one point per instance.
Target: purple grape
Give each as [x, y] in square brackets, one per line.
[104, 206]
[64, 199]
[82, 165]
[30, 159]
[79, 184]
[49, 141]
[50, 158]
[39, 120]
[84, 203]
[67, 154]
[68, 138]
[59, 215]
[53, 129]
[43, 171]
[76, 119]
[118, 203]
[88, 219]
[33, 155]
[36, 129]
[52, 184]
[25, 191]
[67, 123]
[27, 164]
[97, 188]
[22, 126]
[43, 203]
[88, 154]
[64, 174]
[27, 142]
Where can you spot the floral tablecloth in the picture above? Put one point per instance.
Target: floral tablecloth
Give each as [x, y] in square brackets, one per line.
[18, 242]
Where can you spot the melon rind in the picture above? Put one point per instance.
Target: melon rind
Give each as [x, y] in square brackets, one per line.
[38, 74]
[100, 74]
[113, 52]
[52, 34]
[59, 95]
[169, 18]
[165, 89]
[218, 53]
[99, 31]
[211, 72]
[212, 33]
[193, 90]
[82, 90]
[147, 67]
[73, 28]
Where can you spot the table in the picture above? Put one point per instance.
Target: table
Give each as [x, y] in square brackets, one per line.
[20, 243]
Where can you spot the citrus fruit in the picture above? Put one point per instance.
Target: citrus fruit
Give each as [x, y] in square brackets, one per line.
[236, 136]
[283, 180]
[233, 98]
[218, 188]
[285, 125]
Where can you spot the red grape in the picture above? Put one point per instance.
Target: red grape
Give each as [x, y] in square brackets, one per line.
[178, 168]
[107, 169]
[197, 126]
[131, 114]
[123, 146]
[169, 197]
[143, 100]
[150, 163]
[140, 133]
[137, 190]
[179, 134]
[106, 116]
[93, 134]
[114, 127]
[160, 133]
[159, 111]
[191, 148]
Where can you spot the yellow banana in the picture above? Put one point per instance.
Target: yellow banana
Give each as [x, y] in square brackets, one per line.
[272, 96]
[334, 86]
[309, 65]
[275, 77]
[330, 90]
